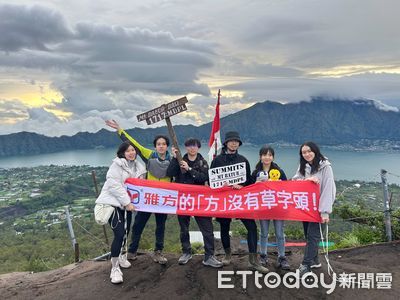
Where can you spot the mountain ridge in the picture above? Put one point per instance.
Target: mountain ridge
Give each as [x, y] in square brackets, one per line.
[331, 122]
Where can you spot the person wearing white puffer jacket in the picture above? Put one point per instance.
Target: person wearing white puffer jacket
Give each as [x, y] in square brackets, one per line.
[114, 193]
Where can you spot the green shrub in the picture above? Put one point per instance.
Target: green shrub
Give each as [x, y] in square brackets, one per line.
[197, 248]
[367, 235]
[240, 231]
[293, 232]
[36, 265]
[348, 241]
[396, 224]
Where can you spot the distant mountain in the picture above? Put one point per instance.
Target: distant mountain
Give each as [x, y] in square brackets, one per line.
[327, 122]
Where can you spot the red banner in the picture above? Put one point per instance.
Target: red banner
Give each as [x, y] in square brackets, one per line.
[279, 200]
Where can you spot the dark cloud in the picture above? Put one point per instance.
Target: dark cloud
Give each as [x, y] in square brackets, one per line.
[135, 56]
[103, 57]
[275, 50]
[140, 36]
[31, 59]
[311, 34]
[39, 113]
[235, 67]
[33, 27]
[79, 101]
[381, 87]
[12, 110]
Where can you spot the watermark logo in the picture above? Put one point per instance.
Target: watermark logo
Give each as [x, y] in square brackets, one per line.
[292, 280]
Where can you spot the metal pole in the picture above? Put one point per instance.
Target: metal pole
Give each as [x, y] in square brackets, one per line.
[95, 183]
[75, 245]
[386, 205]
[215, 140]
[77, 252]
[105, 256]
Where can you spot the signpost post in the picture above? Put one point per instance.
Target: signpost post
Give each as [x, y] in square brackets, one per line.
[164, 112]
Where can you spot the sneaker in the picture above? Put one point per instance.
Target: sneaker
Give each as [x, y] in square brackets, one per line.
[315, 264]
[123, 262]
[226, 261]
[183, 260]
[158, 257]
[283, 263]
[131, 256]
[304, 269]
[263, 259]
[211, 261]
[116, 275]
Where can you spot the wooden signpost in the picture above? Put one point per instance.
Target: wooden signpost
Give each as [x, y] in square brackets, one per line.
[164, 112]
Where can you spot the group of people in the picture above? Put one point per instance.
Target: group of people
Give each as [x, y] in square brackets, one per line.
[163, 165]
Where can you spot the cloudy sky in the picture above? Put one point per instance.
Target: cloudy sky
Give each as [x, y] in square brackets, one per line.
[66, 66]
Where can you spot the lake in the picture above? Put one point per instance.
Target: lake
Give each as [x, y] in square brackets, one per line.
[349, 165]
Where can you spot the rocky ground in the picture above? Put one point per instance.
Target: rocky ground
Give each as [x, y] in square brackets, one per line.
[148, 280]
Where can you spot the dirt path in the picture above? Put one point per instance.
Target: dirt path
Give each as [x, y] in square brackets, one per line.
[147, 280]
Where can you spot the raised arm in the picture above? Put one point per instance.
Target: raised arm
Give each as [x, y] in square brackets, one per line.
[143, 151]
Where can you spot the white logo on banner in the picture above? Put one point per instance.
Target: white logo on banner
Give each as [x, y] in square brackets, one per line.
[230, 175]
[153, 199]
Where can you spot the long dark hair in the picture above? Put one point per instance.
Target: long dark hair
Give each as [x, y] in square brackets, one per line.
[315, 163]
[259, 166]
[122, 148]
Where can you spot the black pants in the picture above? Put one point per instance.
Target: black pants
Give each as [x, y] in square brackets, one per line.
[138, 227]
[117, 223]
[305, 228]
[313, 237]
[251, 227]
[206, 228]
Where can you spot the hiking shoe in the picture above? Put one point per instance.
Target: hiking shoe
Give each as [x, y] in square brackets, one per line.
[158, 257]
[304, 269]
[183, 260]
[123, 262]
[263, 259]
[131, 256]
[255, 265]
[211, 261]
[315, 264]
[228, 257]
[283, 263]
[116, 275]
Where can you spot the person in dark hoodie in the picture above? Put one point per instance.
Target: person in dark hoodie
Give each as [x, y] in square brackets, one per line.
[230, 156]
[193, 169]
[316, 168]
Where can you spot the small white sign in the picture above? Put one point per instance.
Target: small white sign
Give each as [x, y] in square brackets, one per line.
[230, 175]
[154, 200]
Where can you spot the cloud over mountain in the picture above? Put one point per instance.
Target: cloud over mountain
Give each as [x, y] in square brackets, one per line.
[129, 57]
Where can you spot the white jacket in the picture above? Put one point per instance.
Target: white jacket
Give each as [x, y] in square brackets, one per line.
[114, 191]
[327, 184]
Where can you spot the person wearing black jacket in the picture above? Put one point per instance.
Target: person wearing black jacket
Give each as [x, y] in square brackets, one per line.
[193, 169]
[230, 156]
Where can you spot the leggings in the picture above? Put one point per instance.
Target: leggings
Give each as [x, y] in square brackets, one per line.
[117, 223]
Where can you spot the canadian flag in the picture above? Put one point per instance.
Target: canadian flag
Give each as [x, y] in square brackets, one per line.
[215, 137]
